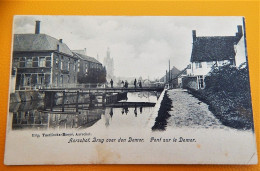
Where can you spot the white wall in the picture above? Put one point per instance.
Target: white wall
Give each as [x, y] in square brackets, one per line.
[205, 69]
[12, 83]
[240, 52]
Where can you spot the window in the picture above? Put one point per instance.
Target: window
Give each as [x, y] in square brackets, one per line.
[27, 80]
[61, 79]
[198, 64]
[16, 62]
[57, 63]
[42, 62]
[201, 82]
[209, 64]
[86, 68]
[68, 67]
[40, 79]
[29, 62]
[75, 65]
[68, 79]
[61, 65]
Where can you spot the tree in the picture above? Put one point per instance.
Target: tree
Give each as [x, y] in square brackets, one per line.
[94, 75]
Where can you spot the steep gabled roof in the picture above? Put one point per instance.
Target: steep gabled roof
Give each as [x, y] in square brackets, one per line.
[38, 42]
[215, 48]
[87, 58]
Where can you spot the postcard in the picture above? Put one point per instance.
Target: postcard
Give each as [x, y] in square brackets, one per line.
[129, 90]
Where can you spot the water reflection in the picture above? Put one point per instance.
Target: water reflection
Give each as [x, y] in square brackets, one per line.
[35, 116]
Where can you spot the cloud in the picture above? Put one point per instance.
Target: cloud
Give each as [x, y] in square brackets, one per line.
[140, 46]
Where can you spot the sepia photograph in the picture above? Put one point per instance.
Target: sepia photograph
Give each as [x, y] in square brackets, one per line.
[129, 90]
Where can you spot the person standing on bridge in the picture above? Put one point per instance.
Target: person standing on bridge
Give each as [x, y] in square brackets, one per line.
[140, 84]
[111, 82]
[135, 82]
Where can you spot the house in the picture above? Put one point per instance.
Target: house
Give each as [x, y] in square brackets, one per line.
[86, 63]
[182, 74]
[209, 52]
[90, 70]
[173, 72]
[40, 60]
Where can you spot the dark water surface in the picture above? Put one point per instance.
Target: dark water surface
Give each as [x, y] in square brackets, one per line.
[35, 116]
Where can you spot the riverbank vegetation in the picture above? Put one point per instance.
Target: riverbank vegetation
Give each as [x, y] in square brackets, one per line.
[94, 75]
[227, 93]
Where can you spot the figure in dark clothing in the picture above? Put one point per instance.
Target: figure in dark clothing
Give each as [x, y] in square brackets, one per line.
[123, 83]
[126, 110]
[135, 83]
[111, 82]
[126, 84]
[141, 110]
[135, 111]
[111, 112]
[140, 84]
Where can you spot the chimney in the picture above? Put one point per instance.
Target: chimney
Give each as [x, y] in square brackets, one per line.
[37, 27]
[85, 51]
[60, 40]
[239, 33]
[194, 35]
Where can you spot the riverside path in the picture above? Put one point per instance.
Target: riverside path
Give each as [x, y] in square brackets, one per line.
[188, 111]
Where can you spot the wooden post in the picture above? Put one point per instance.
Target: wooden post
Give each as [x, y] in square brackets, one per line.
[52, 96]
[45, 100]
[77, 102]
[103, 99]
[63, 101]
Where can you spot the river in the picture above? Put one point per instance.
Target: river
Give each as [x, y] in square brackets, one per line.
[34, 116]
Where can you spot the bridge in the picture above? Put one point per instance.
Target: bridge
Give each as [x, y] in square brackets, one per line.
[102, 90]
[107, 95]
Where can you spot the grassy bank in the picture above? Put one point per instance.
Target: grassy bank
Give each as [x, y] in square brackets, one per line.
[227, 93]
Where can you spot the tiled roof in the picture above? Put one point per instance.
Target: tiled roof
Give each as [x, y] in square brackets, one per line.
[213, 48]
[38, 42]
[87, 58]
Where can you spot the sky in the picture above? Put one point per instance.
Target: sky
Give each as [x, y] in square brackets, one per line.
[140, 45]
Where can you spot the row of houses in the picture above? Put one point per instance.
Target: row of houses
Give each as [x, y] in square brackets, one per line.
[209, 52]
[40, 60]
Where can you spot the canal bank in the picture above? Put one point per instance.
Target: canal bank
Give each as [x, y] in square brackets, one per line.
[26, 96]
[152, 117]
[232, 109]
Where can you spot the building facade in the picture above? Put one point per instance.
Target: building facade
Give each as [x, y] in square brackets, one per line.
[40, 60]
[86, 63]
[215, 51]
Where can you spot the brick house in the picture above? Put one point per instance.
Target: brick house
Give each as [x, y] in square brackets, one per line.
[213, 51]
[42, 61]
[89, 69]
[86, 63]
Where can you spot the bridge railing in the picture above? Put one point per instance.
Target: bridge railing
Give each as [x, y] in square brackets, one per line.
[51, 86]
[88, 85]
